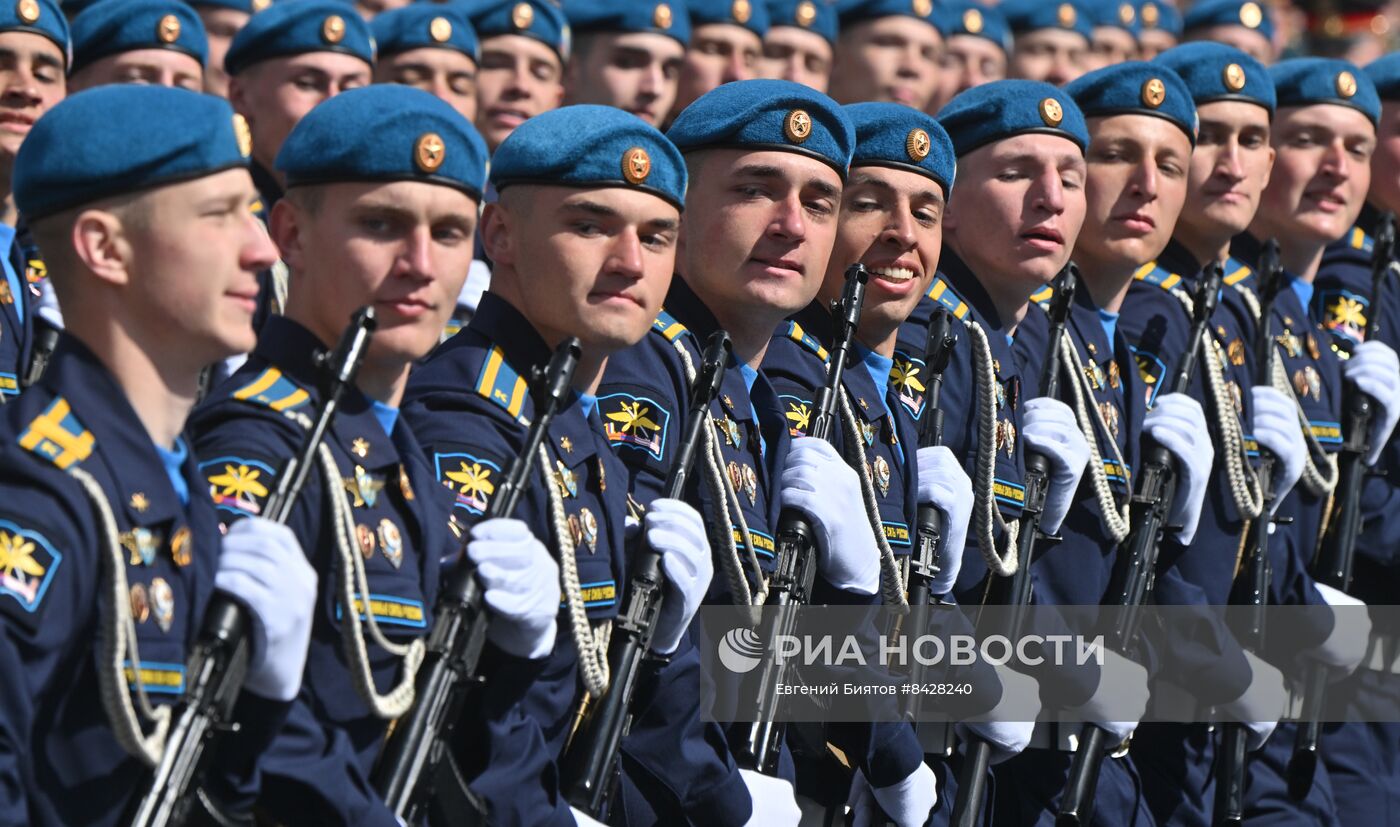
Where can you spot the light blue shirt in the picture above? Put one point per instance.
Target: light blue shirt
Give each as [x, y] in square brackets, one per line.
[588, 402]
[1110, 326]
[879, 368]
[750, 376]
[1304, 289]
[7, 240]
[387, 417]
[172, 459]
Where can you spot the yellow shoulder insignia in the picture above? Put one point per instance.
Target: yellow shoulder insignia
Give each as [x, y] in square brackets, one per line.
[1043, 296]
[1150, 273]
[500, 383]
[940, 292]
[1237, 275]
[57, 435]
[667, 326]
[802, 337]
[1358, 239]
[273, 390]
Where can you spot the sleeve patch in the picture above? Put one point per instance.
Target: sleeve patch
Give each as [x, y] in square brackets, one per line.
[27, 565]
[636, 422]
[58, 436]
[238, 485]
[472, 479]
[1344, 314]
[907, 378]
[798, 412]
[273, 390]
[390, 610]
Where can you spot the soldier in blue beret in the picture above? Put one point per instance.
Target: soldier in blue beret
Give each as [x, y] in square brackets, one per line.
[799, 42]
[1361, 758]
[112, 546]
[889, 50]
[1052, 39]
[977, 47]
[583, 237]
[384, 185]
[222, 21]
[1115, 35]
[430, 47]
[525, 45]
[726, 44]
[627, 55]
[138, 41]
[1245, 24]
[1161, 28]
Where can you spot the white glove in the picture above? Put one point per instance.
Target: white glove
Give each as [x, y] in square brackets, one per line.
[583, 819]
[521, 583]
[774, 802]
[944, 483]
[262, 565]
[1179, 425]
[1121, 696]
[1262, 703]
[1276, 427]
[1049, 427]
[817, 482]
[907, 803]
[675, 530]
[1345, 647]
[1020, 700]
[1374, 369]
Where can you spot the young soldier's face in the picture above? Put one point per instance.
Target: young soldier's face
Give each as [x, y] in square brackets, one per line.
[894, 59]
[220, 25]
[719, 53]
[892, 222]
[1229, 170]
[153, 67]
[403, 247]
[968, 62]
[446, 73]
[31, 82]
[1055, 56]
[759, 230]
[1136, 186]
[798, 55]
[637, 72]
[1320, 176]
[1017, 209]
[595, 264]
[275, 94]
[1385, 164]
[519, 78]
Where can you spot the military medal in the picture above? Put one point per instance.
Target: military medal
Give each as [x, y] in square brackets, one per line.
[1006, 437]
[1115, 375]
[360, 447]
[588, 527]
[180, 550]
[736, 477]
[391, 541]
[568, 484]
[1289, 342]
[1093, 374]
[405, 487]
[1001, 395]
[365, 535]
[750, 484]
[1313, 351]
[882, 475]
[140, 604]
[567, 444]
[602, 476]
[1109, 412]
[141, 544]
[868, 432]
[162, 603]
[1236, 352]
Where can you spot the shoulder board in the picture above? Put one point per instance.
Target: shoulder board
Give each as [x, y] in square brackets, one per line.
[667, 326]
[795, 332]
[1150, 273]
[273, 390]
[1359, 239]
[500, 383]
[57, 436]
[1236, 271]
[1043, 296]
[940, 292]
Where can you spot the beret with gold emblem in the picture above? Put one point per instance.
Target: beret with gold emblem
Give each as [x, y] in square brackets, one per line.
[1310, 81]
[536, 19]
[294, 28]
[852, 12]
[1025, 16]
[425, 26]
[901, 137]
[111, 27]
[750, 14]
[41, 17]
[668, 17]
[816, 16]
[124, 138]
[1161, 16]
[248, 6]
[1114, 14]
[1007, 108]
[767, 115]
[1251, 14]
[385, 133]
[973, 19]
[1384, 72]
[1136, 88]
[590, 147]
[1216, 72]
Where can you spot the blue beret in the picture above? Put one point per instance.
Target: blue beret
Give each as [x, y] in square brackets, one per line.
[1114, 14]
[967, 17]
[1031, 15]
[751, 14]
[589, 147]
[891, 135]
[767, 114]
[855, 11]
[295, 28]
[1216, 72]
[1006, 108]
[425, 25]
[814, 15]
[1136, 88]
[41, 17]
[536, 19]
[249, 6]
[1307, 81]
[111, 27]
[668, 17]
[1154, 14]
[1247, 13]
[1384, 72]
[385, 132]
[123, 138]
